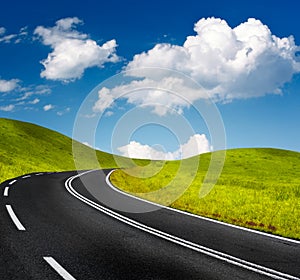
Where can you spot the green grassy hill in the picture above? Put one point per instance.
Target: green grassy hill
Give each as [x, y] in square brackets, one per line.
[26, 148]
[258, 188]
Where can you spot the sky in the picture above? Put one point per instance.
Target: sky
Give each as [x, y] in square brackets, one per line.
[154, 79]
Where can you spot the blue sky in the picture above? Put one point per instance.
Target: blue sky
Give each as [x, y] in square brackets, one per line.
[259, 106]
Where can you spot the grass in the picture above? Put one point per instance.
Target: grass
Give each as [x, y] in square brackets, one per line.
[258, 189]
[26, 148]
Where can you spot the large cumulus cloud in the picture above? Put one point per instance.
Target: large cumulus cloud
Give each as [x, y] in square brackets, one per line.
[229, 63]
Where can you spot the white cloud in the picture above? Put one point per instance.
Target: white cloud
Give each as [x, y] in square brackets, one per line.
[35, 101]
[9, 38]
[105, 100]
[65, 111]
[34, 90]
[2, 31]
[73, 52]
[240, 62]
[48, 107]
[148, 92]
[109, 113]
[197, 144]
[229, 63]
[137, 150]
[7, 108]
[87, 144]
[22, 96]
[8, 85]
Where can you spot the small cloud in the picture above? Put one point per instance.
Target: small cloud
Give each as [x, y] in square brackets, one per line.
[48, 107]
[61, 113]
[2, 31]
[15, 38]
[20, 103]
[8, 85]
[35, 101]
[24, 31]
[89, 116]
[8, 38]
[108, 113]
[8, 108]
[87, 144]
[34, 90]
[73, 52]
[106, 100]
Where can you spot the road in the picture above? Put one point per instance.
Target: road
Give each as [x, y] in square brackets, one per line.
[62, 226]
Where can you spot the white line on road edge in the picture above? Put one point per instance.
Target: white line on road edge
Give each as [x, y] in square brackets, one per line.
[5, 193]
[14, 218]
[12, 182]
[58, 268]
[196, 247]
[197, 216]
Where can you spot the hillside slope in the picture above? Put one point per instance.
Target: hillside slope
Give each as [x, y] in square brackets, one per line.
[259, 188]
[25, 148]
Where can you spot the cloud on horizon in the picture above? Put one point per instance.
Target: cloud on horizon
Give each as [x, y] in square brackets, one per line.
[197, 144]
[72, 52]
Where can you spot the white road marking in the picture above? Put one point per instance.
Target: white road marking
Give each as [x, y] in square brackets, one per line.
[38, 174]
[26, 176]
[58, 268]
[197, 216]
[196, 247]
[12, 182]
[5, 193]
[14, 218]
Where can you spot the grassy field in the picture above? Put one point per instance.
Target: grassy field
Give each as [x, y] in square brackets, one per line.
[26, 148]
[258, 189]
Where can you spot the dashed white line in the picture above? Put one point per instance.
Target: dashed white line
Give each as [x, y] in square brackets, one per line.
[26, 176]
[5, 193]
[14, 218]
[58, 268]
[12, 182]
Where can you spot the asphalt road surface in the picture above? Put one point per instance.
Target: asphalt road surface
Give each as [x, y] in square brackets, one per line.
[69, 226]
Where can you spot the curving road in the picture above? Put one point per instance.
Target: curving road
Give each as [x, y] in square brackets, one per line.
[65, 226]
